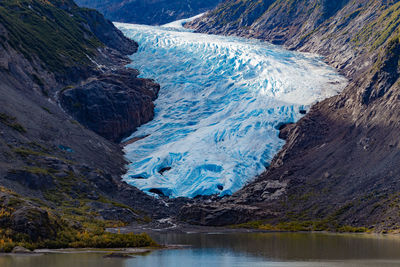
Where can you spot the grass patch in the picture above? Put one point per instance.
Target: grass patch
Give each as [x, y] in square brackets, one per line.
[78, 239]
[302, 226]
[47, 110]
[40, 29]
[74, 227]
[66, 88]
[11, 122]
[37, 170]
[24, 152]
[75, 122]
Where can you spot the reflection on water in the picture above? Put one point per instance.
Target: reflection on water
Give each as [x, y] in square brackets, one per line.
[252, 249]
[61, 260]
[295, 246]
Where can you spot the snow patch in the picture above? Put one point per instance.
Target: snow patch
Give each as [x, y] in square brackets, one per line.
[178, 24]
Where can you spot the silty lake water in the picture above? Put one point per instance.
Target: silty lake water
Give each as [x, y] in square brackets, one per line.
[221, 103]
[241, 249]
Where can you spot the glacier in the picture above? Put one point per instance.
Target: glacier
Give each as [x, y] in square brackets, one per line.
[221, 102]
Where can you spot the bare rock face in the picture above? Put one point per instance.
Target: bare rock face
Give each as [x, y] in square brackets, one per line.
[112, 105]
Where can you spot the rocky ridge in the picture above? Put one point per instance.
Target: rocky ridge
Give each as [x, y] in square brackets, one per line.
[154, 12]
[339, 165]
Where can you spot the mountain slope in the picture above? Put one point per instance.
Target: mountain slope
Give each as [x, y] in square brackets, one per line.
[57, 177]
[339, 165]
[150, 12]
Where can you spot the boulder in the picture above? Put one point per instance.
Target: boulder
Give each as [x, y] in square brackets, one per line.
[33, 221]
[20, 250]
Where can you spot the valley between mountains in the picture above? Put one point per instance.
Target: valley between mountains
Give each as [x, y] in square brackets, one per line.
[313, 150]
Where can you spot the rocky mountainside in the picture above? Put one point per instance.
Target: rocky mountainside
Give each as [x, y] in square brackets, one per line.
[340, 163]
[151, 12]
[56, 175]
[112, 105]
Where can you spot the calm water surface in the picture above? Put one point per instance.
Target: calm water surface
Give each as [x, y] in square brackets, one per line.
[254, 249]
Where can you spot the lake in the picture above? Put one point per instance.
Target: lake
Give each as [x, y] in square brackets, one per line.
[241, 249]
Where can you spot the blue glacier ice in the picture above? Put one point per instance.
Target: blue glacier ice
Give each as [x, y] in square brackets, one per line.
[221, 102]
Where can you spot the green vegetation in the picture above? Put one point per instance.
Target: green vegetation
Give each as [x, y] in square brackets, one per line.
[302, 226]
[24, 152]
[47, 110]
[68, 227]
[75, 122]
[66, 88]
[39, 28]
[70, 238]
[380, 30]
[11, 122]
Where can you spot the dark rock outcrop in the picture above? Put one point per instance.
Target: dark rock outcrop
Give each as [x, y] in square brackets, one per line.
[112, 105]
[30, 179]
[23, 217]
[34, 222]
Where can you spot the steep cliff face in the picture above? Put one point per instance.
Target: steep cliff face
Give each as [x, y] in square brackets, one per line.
[152, 12]
[114, 104]
[339, 165]
[50, 164]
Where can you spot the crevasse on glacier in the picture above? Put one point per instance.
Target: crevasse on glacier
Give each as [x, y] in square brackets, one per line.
[220, 104]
